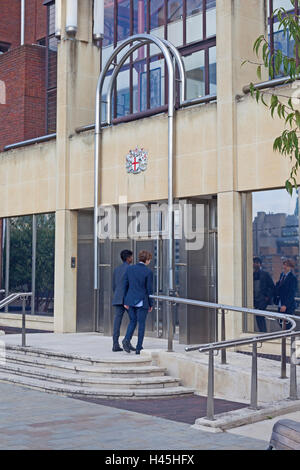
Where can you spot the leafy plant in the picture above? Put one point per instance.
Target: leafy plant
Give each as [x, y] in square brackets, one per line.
[279, 64]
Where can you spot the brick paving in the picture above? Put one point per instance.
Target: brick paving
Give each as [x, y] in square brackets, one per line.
[181, 409]
[36, 420]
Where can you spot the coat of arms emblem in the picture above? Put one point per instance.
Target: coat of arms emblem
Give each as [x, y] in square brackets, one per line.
[136, 161]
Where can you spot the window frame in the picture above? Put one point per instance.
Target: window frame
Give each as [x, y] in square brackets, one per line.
[185, 49]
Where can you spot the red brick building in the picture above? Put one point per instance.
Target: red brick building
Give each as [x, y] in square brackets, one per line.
[24, 70]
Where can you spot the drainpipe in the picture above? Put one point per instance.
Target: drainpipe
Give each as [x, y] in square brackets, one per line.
[22, 22]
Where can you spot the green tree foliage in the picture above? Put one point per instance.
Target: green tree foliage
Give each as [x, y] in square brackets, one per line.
[285, 107]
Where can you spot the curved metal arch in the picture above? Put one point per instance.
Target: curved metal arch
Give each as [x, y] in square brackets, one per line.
[126, 56]
[169, 52]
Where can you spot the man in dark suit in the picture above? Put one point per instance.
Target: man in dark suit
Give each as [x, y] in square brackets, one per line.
[137, 287]
[263, 291]
[286, 289]
[118, 299]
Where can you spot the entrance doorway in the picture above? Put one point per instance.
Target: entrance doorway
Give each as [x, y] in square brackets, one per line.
[195, 276]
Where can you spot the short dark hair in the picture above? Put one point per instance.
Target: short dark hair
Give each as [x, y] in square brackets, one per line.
[125, 254]
[256, 259]
[144, 256]
[290, 263]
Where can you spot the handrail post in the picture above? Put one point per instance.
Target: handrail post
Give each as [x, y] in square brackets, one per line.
[210, 387]
[253, 403]
[170, 326]
[23, 322]
[293, 370]
[283, 354]
[223, 337]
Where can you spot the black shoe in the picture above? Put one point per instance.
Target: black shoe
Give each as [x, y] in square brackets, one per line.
[131, 347]
[137, 351]
[117, 348]
[126, 345]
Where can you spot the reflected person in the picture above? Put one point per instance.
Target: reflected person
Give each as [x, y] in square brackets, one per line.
[118, 300]
[263, 287]
[286, 289]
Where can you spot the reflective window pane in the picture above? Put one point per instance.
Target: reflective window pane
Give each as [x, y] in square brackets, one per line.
[276, 232]
[211, 18]
[213, 71]
[195, 74]
[194, 21]
[123, 19]
[108, 22]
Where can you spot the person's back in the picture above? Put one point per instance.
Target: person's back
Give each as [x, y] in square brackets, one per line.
[118, 296]
[138, 281]
[137, 288]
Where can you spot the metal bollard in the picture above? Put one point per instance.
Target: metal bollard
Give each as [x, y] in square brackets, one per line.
[210, 388]
[283, 354]
[223, 337]
[23, 322]
[253, 403]
[293, 371]
[170, 326]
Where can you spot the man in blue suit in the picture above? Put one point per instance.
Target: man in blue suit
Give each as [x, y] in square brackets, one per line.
[118, 298]
[137, 287]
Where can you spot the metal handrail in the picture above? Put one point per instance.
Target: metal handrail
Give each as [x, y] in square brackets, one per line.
[11, 298]
[254, 340]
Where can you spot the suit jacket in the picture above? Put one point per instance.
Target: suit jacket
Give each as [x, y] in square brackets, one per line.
[118, 275]
[138, 285]
[266, 290]
[286, 291]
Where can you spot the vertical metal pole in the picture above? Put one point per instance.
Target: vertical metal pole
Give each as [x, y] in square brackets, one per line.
[22, 41]
[293, 370]
[283, 354]
[223, 337]
[210, 411]
[170, 326]
[253, 404]
[7, 260]
[33, 271]
[23, 322]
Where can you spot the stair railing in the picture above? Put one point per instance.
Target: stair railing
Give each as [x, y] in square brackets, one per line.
[23, 296]
[224, 344]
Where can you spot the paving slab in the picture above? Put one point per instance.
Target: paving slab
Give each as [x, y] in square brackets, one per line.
[108, 428]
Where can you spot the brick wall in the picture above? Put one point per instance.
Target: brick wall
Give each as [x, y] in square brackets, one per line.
[10, 21]
[22, 116]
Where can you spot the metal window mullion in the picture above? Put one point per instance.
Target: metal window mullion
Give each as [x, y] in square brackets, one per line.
[204, 19]
[33, 268]
[166, 19]
[7, 250]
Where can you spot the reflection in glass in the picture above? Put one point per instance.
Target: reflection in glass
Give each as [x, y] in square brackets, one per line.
[195, 74]
[211, 18]
[213, 71]
[123, 19]
[276, 230]
[194, 21]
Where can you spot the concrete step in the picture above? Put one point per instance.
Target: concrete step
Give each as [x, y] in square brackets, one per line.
[77, 391]
[76, 378]
[113, 360]
[104, 368]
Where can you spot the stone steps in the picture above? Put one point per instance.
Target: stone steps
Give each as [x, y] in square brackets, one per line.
[90, 380]
[74, 375]
[81, 391]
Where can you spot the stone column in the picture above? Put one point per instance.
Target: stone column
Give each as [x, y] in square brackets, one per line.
[239, 23]
[77, 75]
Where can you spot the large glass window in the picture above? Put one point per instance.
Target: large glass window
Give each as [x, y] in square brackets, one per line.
[275, 218]
[189, 24]
[28, 260]
[278, 39]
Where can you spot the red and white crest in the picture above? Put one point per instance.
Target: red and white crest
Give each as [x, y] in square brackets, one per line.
[136, 161]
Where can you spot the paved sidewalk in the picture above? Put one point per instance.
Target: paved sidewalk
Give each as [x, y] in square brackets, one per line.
[36, 420]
